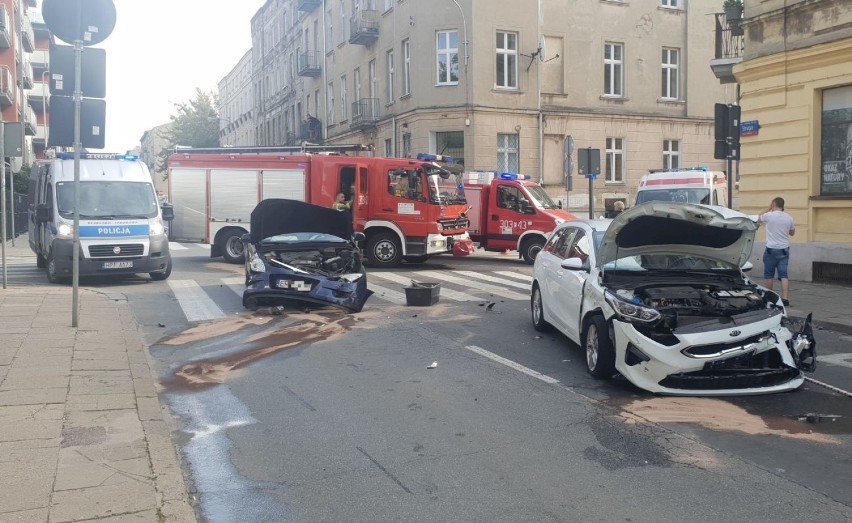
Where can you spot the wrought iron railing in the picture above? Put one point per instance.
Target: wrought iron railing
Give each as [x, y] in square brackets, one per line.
[730, 40]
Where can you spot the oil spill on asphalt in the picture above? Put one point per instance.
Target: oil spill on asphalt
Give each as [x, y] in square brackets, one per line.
[716, 414]
[215, 329]
[309, 328]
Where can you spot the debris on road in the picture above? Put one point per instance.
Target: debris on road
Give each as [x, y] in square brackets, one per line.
[433, 365]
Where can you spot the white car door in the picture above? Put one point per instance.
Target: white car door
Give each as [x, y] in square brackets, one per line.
[547, 271]
[571, 284]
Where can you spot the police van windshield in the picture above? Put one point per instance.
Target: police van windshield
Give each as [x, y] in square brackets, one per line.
[108, 199]
[675, 195]
[445, 187]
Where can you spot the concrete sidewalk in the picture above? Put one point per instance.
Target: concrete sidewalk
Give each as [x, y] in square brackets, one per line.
[82, 433]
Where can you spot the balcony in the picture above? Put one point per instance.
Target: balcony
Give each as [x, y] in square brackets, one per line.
[310, 64]
[730, 46]
[7, 87]
[28, 117]
[39, 97]
[308, 5]
[27, 75]
[40, 60]
[364, 27]
[365, 113]
[5, 28]
[310, 130]
[28, 35]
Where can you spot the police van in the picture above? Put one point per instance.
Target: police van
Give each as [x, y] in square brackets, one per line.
[121, 222]
[692, 185]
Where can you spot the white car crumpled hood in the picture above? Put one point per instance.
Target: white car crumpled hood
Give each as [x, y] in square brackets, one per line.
[679, 228]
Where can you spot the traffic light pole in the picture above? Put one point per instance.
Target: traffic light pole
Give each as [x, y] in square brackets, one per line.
[75, 263]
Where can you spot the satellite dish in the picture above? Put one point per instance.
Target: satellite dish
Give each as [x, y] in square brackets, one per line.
[87, 21]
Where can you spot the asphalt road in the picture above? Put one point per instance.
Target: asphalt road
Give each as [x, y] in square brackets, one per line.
[324, 416]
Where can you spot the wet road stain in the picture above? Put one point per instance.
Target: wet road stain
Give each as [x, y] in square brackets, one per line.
[215, 329]
[717, 414]
[203, 374]
[623, 446]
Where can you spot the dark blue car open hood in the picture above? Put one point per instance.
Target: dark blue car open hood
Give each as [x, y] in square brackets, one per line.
[279, 216]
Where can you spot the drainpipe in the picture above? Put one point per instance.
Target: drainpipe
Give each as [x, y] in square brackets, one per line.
[540, 114]
[466, 56]
[324, 86]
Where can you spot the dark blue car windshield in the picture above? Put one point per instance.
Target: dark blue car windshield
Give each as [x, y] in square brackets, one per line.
[304, 237]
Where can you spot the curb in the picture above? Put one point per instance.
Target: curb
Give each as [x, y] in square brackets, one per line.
[826, 325]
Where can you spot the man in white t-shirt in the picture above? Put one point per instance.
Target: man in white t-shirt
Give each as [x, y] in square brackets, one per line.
[779, 229]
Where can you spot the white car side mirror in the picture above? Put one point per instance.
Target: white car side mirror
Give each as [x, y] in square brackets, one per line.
[572, 264]
[747, 266]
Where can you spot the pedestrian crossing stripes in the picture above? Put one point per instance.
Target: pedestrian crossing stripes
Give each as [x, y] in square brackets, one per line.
[176, 246]
[196, 304]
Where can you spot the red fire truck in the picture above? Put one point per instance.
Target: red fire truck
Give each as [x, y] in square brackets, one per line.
[510, 212]
[408, 209]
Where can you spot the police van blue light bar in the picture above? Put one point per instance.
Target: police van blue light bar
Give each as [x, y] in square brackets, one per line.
[428, 157]
[514, 176]
[98, 156]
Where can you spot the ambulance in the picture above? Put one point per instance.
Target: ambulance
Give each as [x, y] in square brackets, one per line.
[121, 227]
[692, 185]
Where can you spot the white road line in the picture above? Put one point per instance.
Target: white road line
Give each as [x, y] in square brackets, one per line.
[511, 364]
[236, 284]
[488, 277]
[493, 289]
[174, 246]
[444, 292]
[841, 360]
[196, 304]
[830, 387]
[387, 294]
[517, 275]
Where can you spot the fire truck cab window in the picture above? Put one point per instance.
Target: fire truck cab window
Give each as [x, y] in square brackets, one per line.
[405, 184]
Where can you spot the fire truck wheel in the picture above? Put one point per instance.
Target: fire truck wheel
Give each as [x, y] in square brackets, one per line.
[383, 250]
[531, 248]
[232, 247]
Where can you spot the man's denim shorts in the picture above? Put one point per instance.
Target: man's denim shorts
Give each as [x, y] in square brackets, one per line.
[775, 259]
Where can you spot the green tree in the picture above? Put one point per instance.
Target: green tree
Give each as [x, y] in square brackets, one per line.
[196, 124]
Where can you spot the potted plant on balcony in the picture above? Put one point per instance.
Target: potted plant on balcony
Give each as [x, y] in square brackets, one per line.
[733, 9]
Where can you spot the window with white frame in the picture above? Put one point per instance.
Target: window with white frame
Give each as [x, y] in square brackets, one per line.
[373, 80]
[613, 69]
[329, 31]
[389, 60]
[670, 85]
[406, 145]
[507, 153]
[344, 110]
[330, 107]
[615, 160]
[342, 22]
[406, 67]
[671, 154]
[388, 148]
[448, 57]
[507, 60]
[388, 4]
[670, 3]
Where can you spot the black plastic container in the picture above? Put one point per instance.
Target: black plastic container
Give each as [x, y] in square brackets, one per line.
[422, 294]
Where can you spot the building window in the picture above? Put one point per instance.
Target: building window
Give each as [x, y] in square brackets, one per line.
[388, 5]
[388, 148]
[671, 154]
[330, 116]
[451, 144]
[344, 110]
[406, 145]
[507, 153]
[671, 59]
[342, 22]
[670, 3]
[373, 81]
[613, 69]
[448, 57]
[507, 60]
[615, 160]
[329, 31]
[836, 146]
[390, 76]
[406, 67]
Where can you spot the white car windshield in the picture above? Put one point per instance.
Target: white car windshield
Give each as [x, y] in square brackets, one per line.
[676, 262]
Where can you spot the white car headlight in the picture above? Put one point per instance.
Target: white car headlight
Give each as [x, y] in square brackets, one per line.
[632, 312]
[64, 230]
[256, 264]
[157, 228]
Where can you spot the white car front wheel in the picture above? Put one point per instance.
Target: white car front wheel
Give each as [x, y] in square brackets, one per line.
[600, 353]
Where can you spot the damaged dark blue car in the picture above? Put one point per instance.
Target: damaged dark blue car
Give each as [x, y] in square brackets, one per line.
[304, 253]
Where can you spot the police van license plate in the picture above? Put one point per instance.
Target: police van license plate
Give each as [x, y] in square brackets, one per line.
[118, 265]
[295, 285]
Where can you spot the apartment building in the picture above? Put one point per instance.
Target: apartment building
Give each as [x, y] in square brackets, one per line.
[39, 94]
[235, 104]
[498, 89]
[795, 78]
[151, 146]
[17, 43]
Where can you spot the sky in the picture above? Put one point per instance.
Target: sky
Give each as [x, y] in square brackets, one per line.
[160, 51]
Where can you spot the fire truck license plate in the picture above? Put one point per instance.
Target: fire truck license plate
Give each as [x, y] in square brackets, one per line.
[118, 265]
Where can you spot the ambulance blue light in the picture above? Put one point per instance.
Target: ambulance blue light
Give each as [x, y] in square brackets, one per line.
[428, 157]
[513, 176]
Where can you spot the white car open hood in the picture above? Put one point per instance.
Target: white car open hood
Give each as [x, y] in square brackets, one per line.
[679, 228]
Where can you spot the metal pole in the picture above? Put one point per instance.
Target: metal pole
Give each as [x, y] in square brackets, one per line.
[3, 199]
[591, 197]
[78, 95]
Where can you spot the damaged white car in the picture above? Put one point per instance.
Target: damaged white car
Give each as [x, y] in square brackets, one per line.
[659, 295]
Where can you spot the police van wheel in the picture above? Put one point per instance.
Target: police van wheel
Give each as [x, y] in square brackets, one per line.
[160, 276]
[52, 275]
[41, 263]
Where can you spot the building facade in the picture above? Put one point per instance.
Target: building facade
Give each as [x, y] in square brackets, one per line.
[505, 89]
[152, 143]
[235, 104]
[17, 43]
[796, 83]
